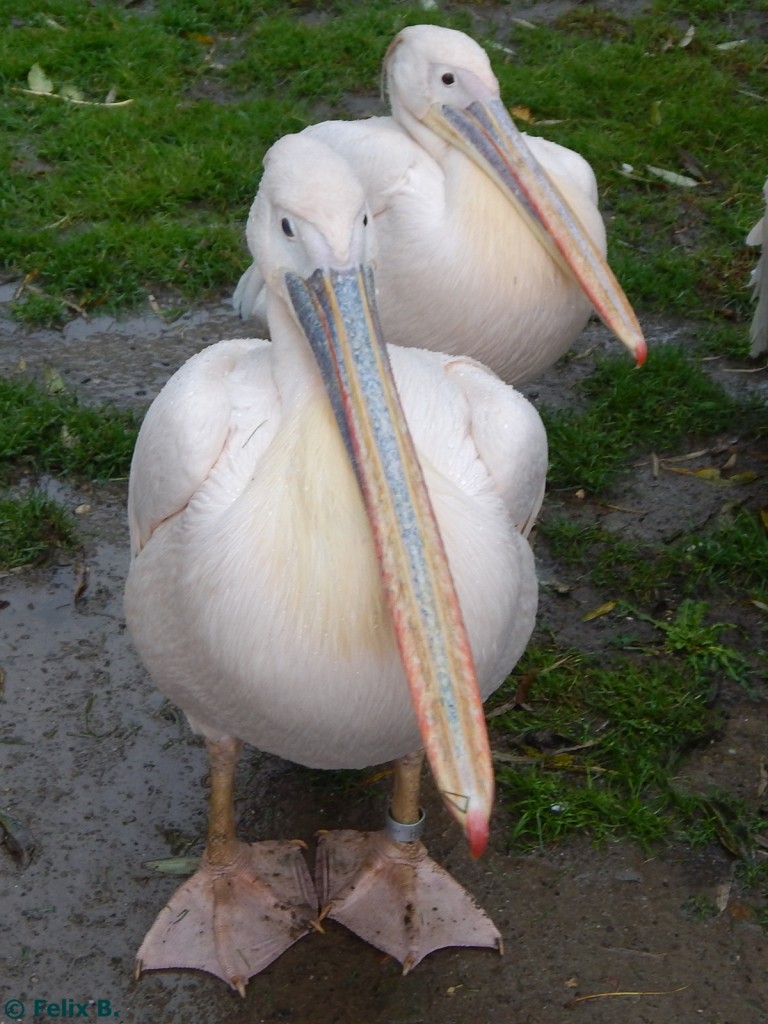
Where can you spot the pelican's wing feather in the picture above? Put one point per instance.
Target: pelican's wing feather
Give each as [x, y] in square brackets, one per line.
[475, 429]
[183, 435]
[510, 439]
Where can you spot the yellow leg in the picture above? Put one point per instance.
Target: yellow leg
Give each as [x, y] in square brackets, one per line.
[405, 797]
[245, 904]
[405, 821]
[223, 756]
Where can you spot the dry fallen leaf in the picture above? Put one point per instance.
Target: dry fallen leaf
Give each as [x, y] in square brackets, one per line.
[54, 382]
[546, 741]
[68, 439]
[81, 584]
[741, 911]
[523, 114]
[38, 81]
[762, 784]
[748, 476]
[687, 456]
[604, 609]
[18, 840]
[691, 164]
[199, 37]
[730, 829]
[173, 865]
[671, 177]
[714, 475]
[371, 780]
[524, 688]
[71, 92]
[723, 894]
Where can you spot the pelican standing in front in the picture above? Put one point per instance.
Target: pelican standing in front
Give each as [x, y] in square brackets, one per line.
[330, 563]
[491, 241]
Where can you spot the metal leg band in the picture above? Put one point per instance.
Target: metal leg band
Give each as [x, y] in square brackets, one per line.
[400, 833]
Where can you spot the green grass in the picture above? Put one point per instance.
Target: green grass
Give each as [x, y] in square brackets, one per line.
[51, 433]
[668, 401]
[33, 529]
[598, 749]
[688, 635]
[106, 205]
[729, 559]
[622, 91]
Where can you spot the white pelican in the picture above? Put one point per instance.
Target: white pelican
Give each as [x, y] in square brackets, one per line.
[759, 279]
[459, 198]
[278, 606]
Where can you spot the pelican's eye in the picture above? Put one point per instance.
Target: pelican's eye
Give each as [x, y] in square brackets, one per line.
[365, 220]
[448, 78]
[285, 224]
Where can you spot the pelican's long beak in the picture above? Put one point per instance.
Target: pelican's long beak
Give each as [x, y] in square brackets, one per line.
[486, 133]
[337, 312]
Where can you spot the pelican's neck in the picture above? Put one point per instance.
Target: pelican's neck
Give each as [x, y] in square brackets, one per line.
[294, 366]
[429, 141]
[479, 228]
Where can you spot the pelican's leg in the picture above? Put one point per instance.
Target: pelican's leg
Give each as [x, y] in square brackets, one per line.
[384, 887]
[246, 903]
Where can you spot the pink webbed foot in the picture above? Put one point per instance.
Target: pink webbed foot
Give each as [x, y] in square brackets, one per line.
[233, 920]
[396, 897]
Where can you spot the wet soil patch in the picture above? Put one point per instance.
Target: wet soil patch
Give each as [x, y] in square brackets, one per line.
[105, 775]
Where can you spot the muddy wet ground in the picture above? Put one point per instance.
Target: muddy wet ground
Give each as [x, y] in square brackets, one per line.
[106, 775]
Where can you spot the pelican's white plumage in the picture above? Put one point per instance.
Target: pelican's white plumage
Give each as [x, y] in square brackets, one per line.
[759, 279]
[461, 269]
[255, 595]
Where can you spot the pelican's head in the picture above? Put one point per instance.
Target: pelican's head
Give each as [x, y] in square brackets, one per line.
[427, 65]
[312, 238]
[310, 212]
[443, 91]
